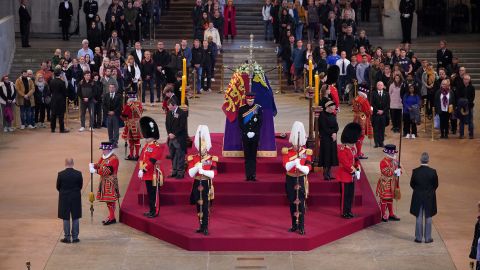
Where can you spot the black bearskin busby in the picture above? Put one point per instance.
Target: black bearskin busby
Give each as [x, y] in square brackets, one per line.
[351, 133]
[332, 74]
[149, 128]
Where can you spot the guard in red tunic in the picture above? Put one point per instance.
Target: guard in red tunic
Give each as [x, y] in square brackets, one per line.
[149, 165]
[131, 114]
[388, 182]
[297, 161]
[362, 113]
[107, 168]
[349, 167]
[333, 73]
[202, 167]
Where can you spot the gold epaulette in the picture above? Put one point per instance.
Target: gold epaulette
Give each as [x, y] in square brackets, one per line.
[190, 158]
[309, 152]
[285, 150]
[214, 158]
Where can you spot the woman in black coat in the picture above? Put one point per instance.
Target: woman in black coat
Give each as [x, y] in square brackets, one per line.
[474, 254]
[94, 36]
[328, 127]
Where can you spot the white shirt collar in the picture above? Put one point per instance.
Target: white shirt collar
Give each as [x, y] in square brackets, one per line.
[108, 155]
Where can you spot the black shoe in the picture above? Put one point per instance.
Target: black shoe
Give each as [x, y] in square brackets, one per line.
[146, 214]
[76, 240]
[172, 175]
[362, 157]
[470, 137]
[428, 241]
[394, 218]
[384, 220]
[110, 221]
[179, 176]
[381, 145]
[205, 232]
[53, 131]
[168, 157]
[152, 215]
[375, 146]
[135, 158]
[351, 215]
[65, 131]
[293, 229]
[200, 230]
[346, 216]
[326, 177]
[417, 241]
[65, 240]
[129, 157]
[301, 231]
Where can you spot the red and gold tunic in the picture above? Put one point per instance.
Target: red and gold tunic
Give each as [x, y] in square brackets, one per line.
[131, 114]
[305, 156]
[362, 114]
[151, 152]
[388, 182]
[348, 163]
[108, 188]
[209, 163]
[335, 96]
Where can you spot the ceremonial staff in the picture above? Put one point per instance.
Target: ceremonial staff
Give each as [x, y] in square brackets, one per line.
[91, 198]
[396, 191]
[200, 187]
[297, 185]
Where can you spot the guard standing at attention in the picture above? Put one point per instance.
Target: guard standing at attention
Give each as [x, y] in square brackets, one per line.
[250, 121]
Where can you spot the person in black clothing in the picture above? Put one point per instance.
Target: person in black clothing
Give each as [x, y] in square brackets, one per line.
[176, 126]
[466, 94]
[42, 101]
[207, 67]
[218, 23]
[97, 99]
[198, 58]
[90, 8]
[366, 5]
[94, 36]
[474, 253]
[250, 121]
[346, 42]
[24, 23]
[161, 58]
[65, 13]
[58, 103]
[175, 65]
[274, 10]
[86, 95]
[196, 15]
[147, 70]
[112, 108]
[381, 107]
[328, 126]
[407, 8]
[69, 186]
[286, 56]
[444, 57]
[424, 183]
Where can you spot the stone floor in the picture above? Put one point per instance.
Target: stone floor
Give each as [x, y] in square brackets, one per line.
[30, 230]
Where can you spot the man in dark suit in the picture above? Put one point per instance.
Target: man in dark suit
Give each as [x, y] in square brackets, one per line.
[112, 108]
[65, 13]
[381, 107]
[69, 186]
[444, 57]
[58, 101]
[24, 23]
[176, 126]
[250, 121]
[424, 183]
[407, 9]
[138, 53]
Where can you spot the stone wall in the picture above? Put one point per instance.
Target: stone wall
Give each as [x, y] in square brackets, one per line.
[7, 50]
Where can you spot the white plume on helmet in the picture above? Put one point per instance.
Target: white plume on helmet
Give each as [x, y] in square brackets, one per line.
[205, 133]
[298, 130]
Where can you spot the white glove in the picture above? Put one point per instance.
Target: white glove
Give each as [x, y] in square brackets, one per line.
[208, 173]
[198, 165]
[357, 175]
[297, 162]
[201, 171]
[91, 168]
[289, 165]
[406, 15]
[303, 169]
[194, 170]
[250, 134]
[398, 172]
[90, 15]
[140, 174]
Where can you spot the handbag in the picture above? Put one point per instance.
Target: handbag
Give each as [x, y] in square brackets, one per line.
[436, 121]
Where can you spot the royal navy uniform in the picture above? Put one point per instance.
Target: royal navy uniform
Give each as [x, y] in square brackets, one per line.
[362, 114]
[107, 168]
[202, 167]
[388, 183]
[148, 167]
[131, 114]
[349, 167]
[297, 161]
[250, 121]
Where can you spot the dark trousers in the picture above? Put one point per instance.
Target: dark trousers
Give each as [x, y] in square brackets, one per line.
[453, 124]
[65, 28]
[250, 153]
[25, 33]
[430, 102]
[342, 83]
[444, 118]
[409, 127]
[467, 120]
[379, 122]
[152, 194]
[113, 125]
[365, 11]
[406, 29]
[396, 116]
[160, 81]
[206, 74]
[203, 196]
[53, 121]
[40, 110]
[348, 191]
[149, 84]
[290, 184]
[84, 106]
[178, 157]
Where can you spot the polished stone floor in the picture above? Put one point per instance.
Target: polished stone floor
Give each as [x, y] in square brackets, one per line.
[30, 231]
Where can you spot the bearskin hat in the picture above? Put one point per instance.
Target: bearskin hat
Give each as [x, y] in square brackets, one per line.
[351, 133]
[332, 74]
[149, 128]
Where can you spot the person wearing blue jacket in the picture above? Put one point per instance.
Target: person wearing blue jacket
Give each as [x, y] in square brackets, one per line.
[411, 112]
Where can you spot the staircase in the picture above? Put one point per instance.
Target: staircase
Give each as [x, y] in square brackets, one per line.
[177, 24]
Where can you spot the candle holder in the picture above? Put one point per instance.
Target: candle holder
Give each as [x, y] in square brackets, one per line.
[310, 139]
[316, 112]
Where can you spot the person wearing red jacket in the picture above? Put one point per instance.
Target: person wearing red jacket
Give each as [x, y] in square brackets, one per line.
[362, 114]
[131, 114]
[107, 168]
[148, 167]
[202, 167]
[388, 182]
[297, 161]
[349, 167]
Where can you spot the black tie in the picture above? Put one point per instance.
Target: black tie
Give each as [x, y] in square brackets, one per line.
[343, 67]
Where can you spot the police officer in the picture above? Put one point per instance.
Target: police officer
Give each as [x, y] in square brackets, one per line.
[250, 121]
[90, 7]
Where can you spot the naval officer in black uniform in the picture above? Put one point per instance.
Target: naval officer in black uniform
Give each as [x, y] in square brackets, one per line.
[250, 121]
